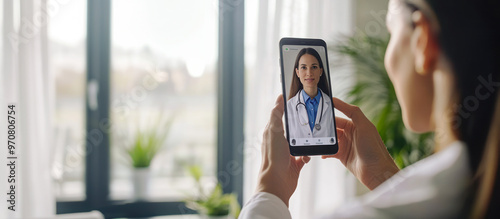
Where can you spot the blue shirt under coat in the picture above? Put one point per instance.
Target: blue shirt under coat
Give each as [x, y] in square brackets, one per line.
[311, 107]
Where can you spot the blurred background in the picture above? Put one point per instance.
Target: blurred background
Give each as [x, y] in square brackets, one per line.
[133, 108]
[177, 60]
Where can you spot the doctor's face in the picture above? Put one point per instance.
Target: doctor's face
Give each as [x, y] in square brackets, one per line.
[309, 71]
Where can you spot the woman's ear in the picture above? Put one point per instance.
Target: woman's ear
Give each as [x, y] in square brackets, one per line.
[297, 72]
[424, 44]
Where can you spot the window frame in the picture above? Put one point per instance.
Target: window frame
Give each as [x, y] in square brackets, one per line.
[230, 114]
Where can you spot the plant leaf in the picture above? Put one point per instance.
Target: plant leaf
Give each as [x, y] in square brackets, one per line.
[374, 93]
[148, 143]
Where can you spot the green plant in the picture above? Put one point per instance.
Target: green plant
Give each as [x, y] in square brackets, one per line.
[374, 93]
[148, 143]
[214, 203]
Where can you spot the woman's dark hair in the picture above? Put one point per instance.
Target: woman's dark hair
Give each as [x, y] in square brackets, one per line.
[297, 86]
[469, 37]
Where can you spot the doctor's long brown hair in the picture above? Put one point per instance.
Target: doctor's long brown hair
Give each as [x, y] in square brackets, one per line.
[469, 38]
[297, 85]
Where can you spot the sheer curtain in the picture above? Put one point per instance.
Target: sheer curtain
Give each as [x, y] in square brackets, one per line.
[26, 83]
[322, 184]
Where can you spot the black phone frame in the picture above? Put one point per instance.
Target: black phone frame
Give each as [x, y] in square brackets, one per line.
[306, 150]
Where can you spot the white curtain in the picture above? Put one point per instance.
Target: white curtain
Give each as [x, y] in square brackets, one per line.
[322, 184]
[26, 83]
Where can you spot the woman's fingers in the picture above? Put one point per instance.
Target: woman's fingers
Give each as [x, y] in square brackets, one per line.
[276, 121]
[305, 159]
[340, 136]
[274, 144]
[300, 161]
[327, 156]
[343, 123]
[340, 133]
[349, 110]
[278, 109]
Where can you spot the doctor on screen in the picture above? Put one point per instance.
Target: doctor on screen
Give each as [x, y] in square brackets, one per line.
[309, 105]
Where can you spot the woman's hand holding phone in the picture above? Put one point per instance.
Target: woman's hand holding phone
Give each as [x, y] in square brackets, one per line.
[279, 172]
[361, 149]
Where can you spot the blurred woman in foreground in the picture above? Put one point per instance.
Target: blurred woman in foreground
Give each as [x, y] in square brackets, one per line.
[444, 61]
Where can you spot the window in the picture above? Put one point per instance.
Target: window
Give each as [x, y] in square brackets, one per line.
[194, 51]
[66, 36]
[163, 68]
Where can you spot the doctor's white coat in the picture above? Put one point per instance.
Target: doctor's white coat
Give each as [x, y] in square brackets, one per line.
[298, 130]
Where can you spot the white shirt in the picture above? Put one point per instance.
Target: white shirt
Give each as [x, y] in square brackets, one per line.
[431, 188]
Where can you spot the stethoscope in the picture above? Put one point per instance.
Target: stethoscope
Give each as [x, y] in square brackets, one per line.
[316, 126]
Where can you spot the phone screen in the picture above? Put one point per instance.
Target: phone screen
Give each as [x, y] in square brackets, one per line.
[310, 122]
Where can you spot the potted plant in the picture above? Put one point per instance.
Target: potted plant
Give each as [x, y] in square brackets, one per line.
[214, 204]
[374, 93]
[146, 145]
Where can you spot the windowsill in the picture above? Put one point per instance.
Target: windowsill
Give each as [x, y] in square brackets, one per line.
[162, 189]
[184, 216]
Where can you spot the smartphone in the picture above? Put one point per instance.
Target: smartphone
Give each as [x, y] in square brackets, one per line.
[309, 110]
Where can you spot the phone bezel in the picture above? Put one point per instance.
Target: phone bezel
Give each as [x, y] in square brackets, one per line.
[306, 150]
